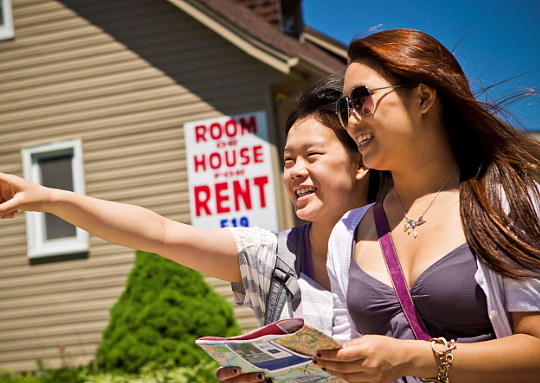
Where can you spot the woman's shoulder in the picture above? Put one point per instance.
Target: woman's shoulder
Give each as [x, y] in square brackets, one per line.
[343, 233]
[519, 294]
[352, 218]
[246, 237]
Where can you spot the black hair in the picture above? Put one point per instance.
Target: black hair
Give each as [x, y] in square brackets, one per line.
[319, 101]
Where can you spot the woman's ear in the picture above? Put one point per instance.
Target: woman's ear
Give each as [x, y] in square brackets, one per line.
[361, 172]
[426, 97]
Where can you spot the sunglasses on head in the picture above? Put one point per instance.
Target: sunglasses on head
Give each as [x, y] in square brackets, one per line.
[360, 100]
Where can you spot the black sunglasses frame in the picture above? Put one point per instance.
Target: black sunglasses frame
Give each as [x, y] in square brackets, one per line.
[349, 104]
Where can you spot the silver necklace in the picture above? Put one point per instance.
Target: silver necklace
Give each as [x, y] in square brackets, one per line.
[412, 224]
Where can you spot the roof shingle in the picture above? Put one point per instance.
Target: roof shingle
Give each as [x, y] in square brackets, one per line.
[259, 27]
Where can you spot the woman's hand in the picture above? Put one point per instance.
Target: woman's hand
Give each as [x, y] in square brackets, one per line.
[234, 375]
[372, 358]
[17, 193]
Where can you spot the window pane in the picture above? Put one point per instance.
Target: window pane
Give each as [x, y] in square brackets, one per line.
[56, 173]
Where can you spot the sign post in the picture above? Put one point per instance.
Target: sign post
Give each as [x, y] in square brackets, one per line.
[230, 172]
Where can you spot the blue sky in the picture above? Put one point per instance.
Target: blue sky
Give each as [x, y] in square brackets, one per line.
[500, 39]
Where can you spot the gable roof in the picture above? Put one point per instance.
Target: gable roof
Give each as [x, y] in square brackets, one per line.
[251, 31]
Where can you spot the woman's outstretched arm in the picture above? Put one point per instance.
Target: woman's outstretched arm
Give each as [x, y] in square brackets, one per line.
[211, 251]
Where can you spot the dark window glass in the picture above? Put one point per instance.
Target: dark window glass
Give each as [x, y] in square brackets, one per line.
[56, 172]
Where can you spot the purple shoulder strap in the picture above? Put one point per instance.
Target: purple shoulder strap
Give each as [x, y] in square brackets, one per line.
[396, 273]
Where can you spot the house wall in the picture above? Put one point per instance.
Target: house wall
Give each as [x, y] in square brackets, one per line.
[123, 76]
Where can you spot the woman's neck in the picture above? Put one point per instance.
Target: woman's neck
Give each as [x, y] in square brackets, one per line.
[318, 240]
[415, 182]
[318, 243]
[412, 186]
[424, 167]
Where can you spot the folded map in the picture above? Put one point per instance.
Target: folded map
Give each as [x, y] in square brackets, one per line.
[282, 350]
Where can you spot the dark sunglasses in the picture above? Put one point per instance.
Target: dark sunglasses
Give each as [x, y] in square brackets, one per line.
[360, 100]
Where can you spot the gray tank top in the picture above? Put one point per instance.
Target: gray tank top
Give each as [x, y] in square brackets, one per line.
[445, 295]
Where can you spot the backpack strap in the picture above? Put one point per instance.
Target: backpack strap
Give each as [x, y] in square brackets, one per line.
[284, 282]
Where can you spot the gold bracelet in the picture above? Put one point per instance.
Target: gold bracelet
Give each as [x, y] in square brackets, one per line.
[445, 359]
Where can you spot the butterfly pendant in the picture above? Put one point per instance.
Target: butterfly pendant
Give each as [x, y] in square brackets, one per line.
[411, 224]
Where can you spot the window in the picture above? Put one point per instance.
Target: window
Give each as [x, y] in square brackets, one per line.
[6, 20]
[57, 165]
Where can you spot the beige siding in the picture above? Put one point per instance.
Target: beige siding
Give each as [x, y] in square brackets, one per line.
[124, 77]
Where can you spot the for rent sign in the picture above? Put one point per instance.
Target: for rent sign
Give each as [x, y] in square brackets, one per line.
[230, 172]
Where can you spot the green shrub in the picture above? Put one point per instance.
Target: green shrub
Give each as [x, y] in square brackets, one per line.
[7, 376]
[46, 375]
[203, 372]
[164, 308]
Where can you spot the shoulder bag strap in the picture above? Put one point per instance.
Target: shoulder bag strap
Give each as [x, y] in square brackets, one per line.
[396, 273]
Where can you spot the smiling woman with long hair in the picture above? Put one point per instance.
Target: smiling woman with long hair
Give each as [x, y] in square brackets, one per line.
[462, 218]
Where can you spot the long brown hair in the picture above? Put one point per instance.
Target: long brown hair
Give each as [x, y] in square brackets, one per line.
[499, 198]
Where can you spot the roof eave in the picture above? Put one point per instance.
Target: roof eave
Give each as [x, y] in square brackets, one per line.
[325, 42]
[270, 56]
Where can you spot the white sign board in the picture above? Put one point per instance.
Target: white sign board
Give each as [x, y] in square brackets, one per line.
[230, 172]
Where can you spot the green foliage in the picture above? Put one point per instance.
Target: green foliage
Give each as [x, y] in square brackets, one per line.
[203, 372]
[7, 376]
[163, 310]
[45, 374]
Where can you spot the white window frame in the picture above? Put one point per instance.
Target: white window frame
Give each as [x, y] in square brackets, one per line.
[6, 25]
[38, 245]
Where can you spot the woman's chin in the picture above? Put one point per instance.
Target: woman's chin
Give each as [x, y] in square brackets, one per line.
[303, 214]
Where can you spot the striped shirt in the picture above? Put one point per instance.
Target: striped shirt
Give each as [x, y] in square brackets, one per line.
[257, 250]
